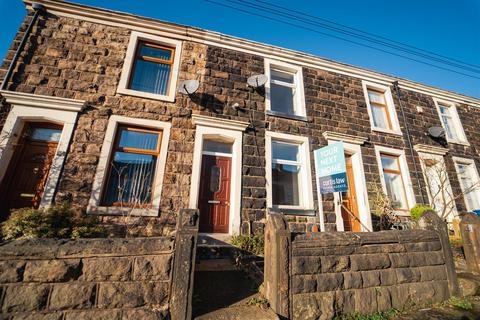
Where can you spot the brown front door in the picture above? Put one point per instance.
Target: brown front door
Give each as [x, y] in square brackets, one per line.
[349, 201]
[214, 198]
[28, 170]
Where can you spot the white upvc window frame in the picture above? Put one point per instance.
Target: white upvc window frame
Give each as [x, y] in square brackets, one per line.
[101, 175]
[305, 183]
[299, 92]
[407, 183]
[392, 114]
[460, 133]
[128, 64]
[473, 172]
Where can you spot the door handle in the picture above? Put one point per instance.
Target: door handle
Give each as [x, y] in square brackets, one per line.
[214, 201]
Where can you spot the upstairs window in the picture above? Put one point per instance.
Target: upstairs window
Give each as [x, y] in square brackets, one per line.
[285, 90]
[381, 109]
[451, 122]
[151, 67]
[132, 168]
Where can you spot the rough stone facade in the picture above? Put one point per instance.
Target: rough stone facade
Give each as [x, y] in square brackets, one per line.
[86, 279]
[71, 58]
[322, 275]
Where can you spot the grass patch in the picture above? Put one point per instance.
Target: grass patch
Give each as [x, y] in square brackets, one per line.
[259, 302]
[459, 303]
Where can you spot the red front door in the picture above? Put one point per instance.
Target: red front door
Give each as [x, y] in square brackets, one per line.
[214, 198]
[27, 173]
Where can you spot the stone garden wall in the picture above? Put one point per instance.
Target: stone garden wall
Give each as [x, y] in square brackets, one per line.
[86, 279]
[320, 275]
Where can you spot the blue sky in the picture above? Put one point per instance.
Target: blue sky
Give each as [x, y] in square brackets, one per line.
[446, 27]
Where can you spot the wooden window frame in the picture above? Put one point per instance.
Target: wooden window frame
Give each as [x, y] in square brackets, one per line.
[382, 105]
[116, 149]
[398, 172]
[137, 57]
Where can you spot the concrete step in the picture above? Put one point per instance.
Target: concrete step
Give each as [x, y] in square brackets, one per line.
[244, 312]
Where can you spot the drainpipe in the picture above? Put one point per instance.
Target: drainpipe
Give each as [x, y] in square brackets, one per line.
[38, 9]
[409, 141]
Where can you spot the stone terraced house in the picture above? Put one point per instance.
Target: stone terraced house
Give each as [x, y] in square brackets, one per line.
[91, 114]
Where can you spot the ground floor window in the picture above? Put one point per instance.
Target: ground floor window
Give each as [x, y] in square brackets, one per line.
[132, 167]
[129, 176]
[288, 172]
[469, 182]
[285, 174]
[392, 175]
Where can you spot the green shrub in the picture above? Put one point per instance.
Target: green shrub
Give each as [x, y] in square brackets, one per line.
[460, 303]
[418, 210]
[59, 221]
[254, 244]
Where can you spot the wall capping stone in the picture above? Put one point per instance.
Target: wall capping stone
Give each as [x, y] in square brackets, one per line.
[40, 101]
[336, 136]
[430, 149]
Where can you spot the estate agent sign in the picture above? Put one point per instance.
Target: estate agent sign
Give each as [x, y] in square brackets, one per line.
[331, 169]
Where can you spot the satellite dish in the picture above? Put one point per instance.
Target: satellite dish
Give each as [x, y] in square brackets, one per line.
[188, 86]
[436, 132]
[257, 80]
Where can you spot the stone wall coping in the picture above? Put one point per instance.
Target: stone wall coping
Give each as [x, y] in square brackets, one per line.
[40, 101]
[157, 27]
[84, 248]
[324, 239]
[336, 136]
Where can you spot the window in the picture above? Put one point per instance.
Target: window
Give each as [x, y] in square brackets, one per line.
[285, 174]
[215, 147]
[132, 167]
[469, 182]
[129, 175]
[381, 108]
[451, 122]
[289, 184]
[285, 90]
[392, 175]
[395, 178]
[151, 67]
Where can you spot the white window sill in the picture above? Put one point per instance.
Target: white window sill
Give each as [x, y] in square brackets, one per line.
[146, 95]
[382, 130]
[463, 143]
[293, 210]
[286, 115]
[118, 211]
